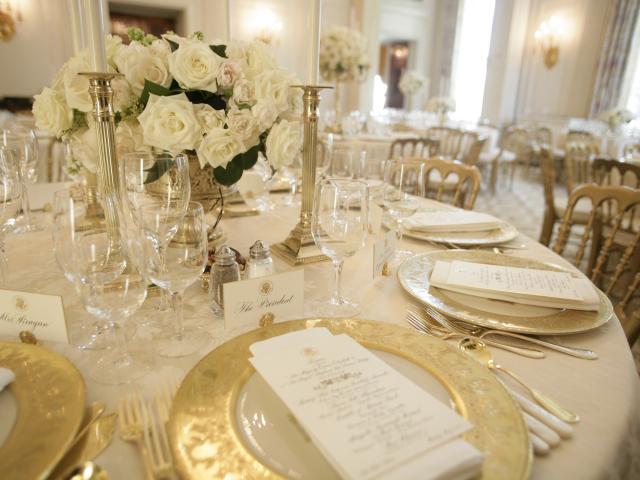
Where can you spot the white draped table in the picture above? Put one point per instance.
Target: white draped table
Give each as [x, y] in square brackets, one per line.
[605, 392]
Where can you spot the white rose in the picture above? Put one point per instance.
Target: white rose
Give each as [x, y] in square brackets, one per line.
[122, 95]
[129, 138]
[170, 123]
[84, 146]
[219, 147]
[274, 84]
[265, 112]
[195, 66]
[229, 73]
[112, 43]
[76, 87]
[137, 63]
[209, 117]
[283, 143]
[244, 123]
[161, 49]
[51, 112]
[242, 93]
[259, 58]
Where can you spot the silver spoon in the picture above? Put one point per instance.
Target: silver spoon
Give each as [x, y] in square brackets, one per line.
[478, 350]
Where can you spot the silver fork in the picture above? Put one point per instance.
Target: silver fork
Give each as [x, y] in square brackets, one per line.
[131, 421]
[420, 323]
[480, 332]
[157, 443]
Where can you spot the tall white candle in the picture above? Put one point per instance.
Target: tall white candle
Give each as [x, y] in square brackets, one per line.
[77, 25]
[227, 20]
[313, 53]
[93, 14]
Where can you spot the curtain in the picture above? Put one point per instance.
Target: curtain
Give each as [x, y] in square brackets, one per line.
[614, 56]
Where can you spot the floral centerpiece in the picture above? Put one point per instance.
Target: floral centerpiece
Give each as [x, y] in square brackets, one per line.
[410, 83]
[222, 103]
[616, 117]
[343, 58]
[442, 106]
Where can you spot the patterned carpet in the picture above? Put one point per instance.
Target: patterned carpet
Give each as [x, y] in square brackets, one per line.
[522, 205]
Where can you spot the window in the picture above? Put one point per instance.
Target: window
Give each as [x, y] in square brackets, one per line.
[631, 86]
[473, 38]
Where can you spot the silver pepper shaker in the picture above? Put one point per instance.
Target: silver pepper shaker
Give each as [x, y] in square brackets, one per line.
[260, 263]
[224, 269]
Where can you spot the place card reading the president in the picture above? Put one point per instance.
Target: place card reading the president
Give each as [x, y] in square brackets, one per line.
[41, 314]
[246, 301]
[365, 417]
[384, 246]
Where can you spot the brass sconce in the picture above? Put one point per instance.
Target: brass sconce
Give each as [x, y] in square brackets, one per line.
[547, 35]
[10, 15]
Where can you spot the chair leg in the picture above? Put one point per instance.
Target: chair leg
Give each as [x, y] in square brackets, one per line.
[596, 243]
[547, 227]
[493, 178]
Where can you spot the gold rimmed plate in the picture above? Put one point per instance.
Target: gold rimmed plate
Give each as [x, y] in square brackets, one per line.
[414, 277]
[226, 422]
[49, 395]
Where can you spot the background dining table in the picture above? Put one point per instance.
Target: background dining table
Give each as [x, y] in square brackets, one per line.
[604, 392]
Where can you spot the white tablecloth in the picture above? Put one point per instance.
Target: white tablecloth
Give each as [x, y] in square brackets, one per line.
[605, 393]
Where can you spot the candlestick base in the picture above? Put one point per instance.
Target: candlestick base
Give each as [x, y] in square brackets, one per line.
[299, 247]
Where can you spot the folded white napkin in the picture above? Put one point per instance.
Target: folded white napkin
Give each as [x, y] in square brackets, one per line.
[6, 377]
[451, 221]
[526, 286]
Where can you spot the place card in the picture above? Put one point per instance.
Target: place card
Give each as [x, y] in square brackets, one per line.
[384, 246]
[365, 417]
[41, 314]
[247, 301]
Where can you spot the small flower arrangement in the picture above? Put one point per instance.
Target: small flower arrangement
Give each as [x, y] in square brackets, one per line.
[441, 105]
[224, 103]
[616, 117]
[343, 55]
[411, 82]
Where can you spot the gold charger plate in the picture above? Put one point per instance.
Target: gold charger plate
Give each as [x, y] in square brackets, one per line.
[223, 411]
[50, 395]
[414, 275]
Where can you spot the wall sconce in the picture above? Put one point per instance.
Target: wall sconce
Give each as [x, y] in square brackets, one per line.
[547, 35]
[265, 26]
[400, 51]
[10, 14]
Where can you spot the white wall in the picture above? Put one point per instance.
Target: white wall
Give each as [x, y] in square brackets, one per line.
[565, 90]
[42, 43]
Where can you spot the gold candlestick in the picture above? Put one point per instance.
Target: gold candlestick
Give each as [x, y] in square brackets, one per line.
[299, 247]
[108, 185]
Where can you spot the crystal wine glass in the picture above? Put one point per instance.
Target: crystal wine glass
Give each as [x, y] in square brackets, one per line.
[24, 144]
[112, 289]
[404, 184]
[154, 181]
[175, 265]
[339, 228]
[10, 195]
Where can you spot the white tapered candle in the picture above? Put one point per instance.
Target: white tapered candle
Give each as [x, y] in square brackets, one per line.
[313, 53]
[93, 14]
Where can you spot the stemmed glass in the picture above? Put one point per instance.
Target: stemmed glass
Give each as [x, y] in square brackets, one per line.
[339, 228]
[174, 258]
[404, 184]
[24, 144]
[10, 191]
[157, 181]
[112, 289]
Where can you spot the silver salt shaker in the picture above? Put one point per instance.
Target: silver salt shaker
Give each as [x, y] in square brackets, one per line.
[224, 269]
[260, 263]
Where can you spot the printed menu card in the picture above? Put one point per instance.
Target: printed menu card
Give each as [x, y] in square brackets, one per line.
[367, 419]
[544, 288]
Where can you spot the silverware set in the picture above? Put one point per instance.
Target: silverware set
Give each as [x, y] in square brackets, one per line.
[547, 421]
[143, 422]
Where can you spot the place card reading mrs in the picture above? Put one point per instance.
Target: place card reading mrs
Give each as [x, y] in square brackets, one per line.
[247, 301]
[41, 314]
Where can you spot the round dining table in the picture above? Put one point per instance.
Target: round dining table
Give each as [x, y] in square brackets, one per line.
[604, 392]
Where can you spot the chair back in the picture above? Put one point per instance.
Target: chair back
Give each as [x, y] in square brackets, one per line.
[585, 137]
[413, 147]
[607, 171]
[616, 200]
[517, 140]
[542, 136]
[548, 169]
[450, 141]
[451, 182]
[631, 151]
[471, 148]
[578, 160]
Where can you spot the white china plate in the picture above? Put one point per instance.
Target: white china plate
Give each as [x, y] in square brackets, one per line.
[414, 276]
[505, 233]
[277, 440]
